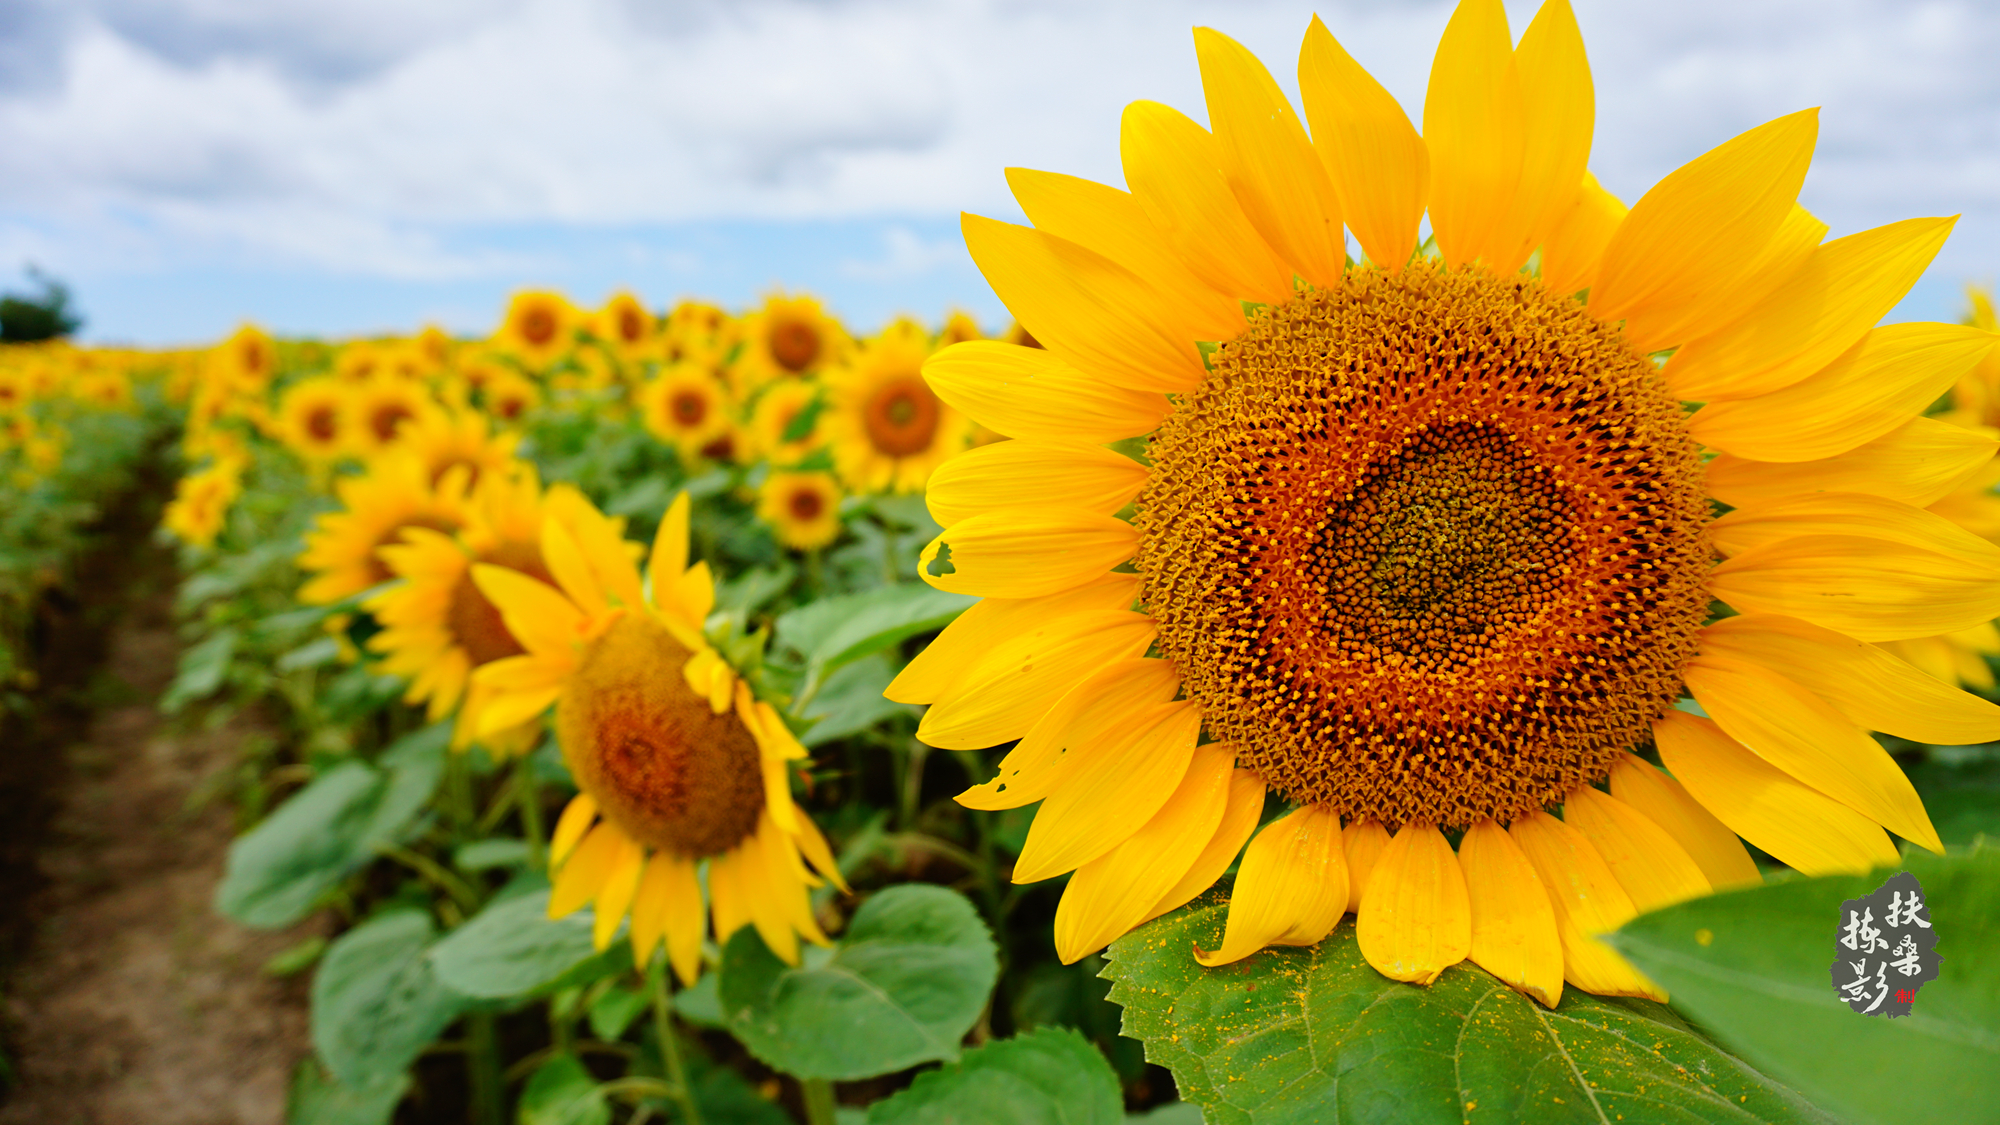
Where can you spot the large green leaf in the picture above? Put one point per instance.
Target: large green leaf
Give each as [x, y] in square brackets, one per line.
[1753, 967]
[851, 701]
[1317, 1036]
[376, 1003]
[1962, 796]
[903, 985]
[513, 948]
[329, 830]
[832, 632]
[317, 1099]
[562, 1092]
[1048, 1077]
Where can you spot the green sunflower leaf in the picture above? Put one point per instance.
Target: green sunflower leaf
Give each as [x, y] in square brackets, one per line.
[1753, 967]
[562, 1092]
[513, 948]
[376, 1003]
[316, 1099]
[1316, 1035]
[834, 632]
[1047, 1077]
[902, 986]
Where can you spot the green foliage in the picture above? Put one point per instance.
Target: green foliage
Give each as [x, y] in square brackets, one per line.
[513, 948]
[1316, 1035]
[330, 829]
[1752, 967]
[46, 315]
[376, 1002]
[833, 632]
[562, 1092]
[1048, 1077]
[317, 1099]
[902, 986]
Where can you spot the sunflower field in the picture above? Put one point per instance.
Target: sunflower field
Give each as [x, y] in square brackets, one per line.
[1451, 672]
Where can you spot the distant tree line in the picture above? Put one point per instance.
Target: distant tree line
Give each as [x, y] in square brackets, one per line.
[39, 316]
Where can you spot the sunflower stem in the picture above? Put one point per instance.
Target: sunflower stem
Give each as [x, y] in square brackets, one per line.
[890, 571]
[670, 1049]
[819, 1100]
[531, 811]
[814, 581]
[913, 782]
[482, 1060]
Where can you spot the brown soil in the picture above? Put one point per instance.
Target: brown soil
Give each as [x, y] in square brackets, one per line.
[128, 999]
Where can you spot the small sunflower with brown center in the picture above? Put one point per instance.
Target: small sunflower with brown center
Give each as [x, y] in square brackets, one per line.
[1423, 543]
[685, 406]
[508, 397]
[958, 328]
[201, 502]
[624, 325]
[246, 361]
[888, 429]
[312, 419]
[343, 551]
[538, 328]
[678, 763]
[446, 439]
[379, 411]
[803, 509]
[788, 338]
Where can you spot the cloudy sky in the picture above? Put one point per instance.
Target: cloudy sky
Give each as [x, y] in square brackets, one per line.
[348, 166]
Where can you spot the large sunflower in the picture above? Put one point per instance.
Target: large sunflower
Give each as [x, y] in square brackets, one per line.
[1422, 543]
[676, 761]
[888, 429]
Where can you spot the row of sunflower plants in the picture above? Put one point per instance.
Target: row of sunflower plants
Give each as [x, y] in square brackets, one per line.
[722, 875]
[76, 427]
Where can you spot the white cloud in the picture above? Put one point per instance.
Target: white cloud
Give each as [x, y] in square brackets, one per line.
[356, 135]
[906, 255]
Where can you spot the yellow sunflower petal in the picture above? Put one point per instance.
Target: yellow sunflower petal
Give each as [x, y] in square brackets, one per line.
[1799, 825]
[1286, 884]
[1692, 228]
[1559, 112]
[1028, 552]
[649, 908]
[536, 613]
[1083, 306]
[572, 571]
[1101, 218]
[1714, 848]
[1870, 589]
[1514, 933]
[576, 819]
[1802, 734]
[1475, 129]
[814, 846]
[1379, 167]
[685, 920]
[1916, 464]
[1847, 286]
[1024, 472]
[954, 652]
[1112, 790]
[1009, 691]
[1415, 919]
[1239, 820]
[1849, 513]
[1174, 168]
[614, 898]
[584, 872]
[1029, 393]
[1588, 901]
[1866, 684]
[670, 543]
[1269, 164]
[1112, 893]
[1781, 258]
[1647, 862]
[1363, 841]
[1575, 245]
[727, 896]
[1103, 702]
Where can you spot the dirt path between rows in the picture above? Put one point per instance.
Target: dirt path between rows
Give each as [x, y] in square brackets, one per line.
[128, 1001]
